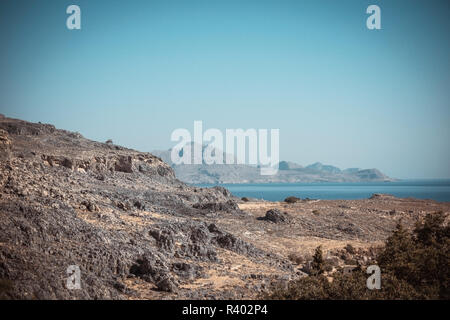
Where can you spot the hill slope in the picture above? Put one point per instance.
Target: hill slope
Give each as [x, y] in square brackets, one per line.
[114, 212]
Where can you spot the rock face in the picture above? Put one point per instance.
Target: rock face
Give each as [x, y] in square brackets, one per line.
[5, 145]
[111, 211]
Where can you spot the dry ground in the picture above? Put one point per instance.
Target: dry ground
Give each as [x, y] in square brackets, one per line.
[333, 224]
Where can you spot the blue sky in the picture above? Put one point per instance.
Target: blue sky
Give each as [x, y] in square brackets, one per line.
[339, 93]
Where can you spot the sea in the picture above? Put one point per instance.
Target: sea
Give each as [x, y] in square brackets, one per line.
[438, 190]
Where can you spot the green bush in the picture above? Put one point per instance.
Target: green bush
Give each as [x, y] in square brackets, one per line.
[343, 287]
[292, 199]
[421, 258]
[318, 264]
[414, 265]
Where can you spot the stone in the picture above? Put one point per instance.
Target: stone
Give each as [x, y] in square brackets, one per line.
[276, 216]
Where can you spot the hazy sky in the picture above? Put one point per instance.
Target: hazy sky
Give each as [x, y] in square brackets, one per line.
[339, 93]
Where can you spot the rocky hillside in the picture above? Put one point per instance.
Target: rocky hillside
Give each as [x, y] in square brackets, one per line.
[136, 232]
[66, 200]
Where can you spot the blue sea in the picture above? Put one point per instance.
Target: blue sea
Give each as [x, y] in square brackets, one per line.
[438, 190]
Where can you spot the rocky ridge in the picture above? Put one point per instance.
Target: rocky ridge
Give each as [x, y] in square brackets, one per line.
[66, 200]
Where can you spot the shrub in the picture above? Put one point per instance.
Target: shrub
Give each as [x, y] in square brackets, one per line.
[350, 249]
[318, 264]
[422, 257]
[328, 267]
[292, 199]
[414, 265]
[296, 258]
[343, 287]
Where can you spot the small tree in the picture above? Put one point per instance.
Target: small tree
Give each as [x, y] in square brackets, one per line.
[318, 264]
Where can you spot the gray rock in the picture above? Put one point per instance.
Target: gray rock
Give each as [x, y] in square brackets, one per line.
[276, 216]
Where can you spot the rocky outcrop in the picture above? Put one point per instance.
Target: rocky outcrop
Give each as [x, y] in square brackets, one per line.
[381, 196]
[154, 268]
[276, 216]
[66, 200]
[5, 145]
[229, 206]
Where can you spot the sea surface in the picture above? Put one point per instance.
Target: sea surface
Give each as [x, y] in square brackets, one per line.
[438, 190]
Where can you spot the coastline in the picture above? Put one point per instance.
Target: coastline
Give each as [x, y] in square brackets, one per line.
[425, 189]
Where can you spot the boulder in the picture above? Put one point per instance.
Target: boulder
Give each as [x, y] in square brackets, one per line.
[276, 216]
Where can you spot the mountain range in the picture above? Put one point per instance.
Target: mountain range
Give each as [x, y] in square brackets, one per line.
[289, 172]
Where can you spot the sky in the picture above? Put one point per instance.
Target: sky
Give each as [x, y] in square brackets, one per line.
[340, 93]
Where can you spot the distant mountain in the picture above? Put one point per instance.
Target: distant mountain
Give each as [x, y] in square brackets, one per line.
[287, 165]
[318, 167]
[289, 172]
[351, 170]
